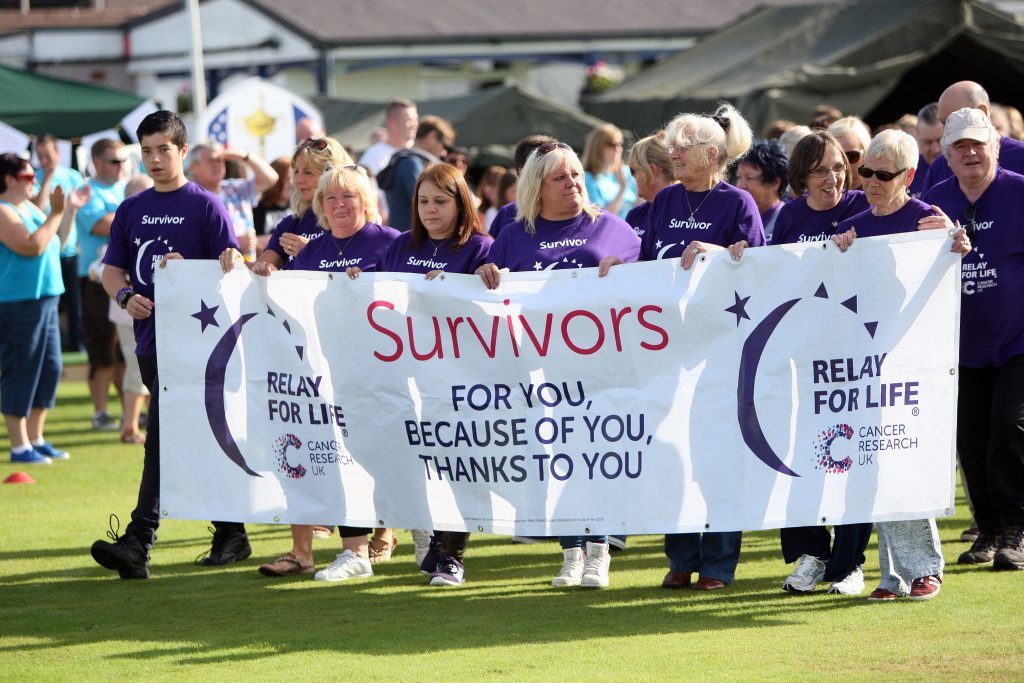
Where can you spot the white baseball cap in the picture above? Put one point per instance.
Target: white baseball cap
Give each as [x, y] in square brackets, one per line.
[967, 123]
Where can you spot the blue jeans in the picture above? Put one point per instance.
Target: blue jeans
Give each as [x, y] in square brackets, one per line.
[713, 555]
[580, 541]
[30, 361]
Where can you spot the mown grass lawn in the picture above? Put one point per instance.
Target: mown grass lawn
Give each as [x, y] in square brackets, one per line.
[64, 618]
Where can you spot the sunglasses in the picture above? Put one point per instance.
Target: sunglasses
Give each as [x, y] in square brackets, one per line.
[26, 176]
[115, 162]
[551, 146]
[614, 144]
[853, 156]
[318, 144]
[969, 212]
[884, 176]
[355, 167]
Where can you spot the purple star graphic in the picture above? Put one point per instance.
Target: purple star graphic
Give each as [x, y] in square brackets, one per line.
[739, 308]
[205, 315]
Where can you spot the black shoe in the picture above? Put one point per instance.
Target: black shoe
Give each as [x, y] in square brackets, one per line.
[228, 546]
[126, 555]
[982, 550]
[970, 535]
[1011, 548]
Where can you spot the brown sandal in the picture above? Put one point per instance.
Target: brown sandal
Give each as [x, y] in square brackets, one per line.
[380, 549]
[286, 565]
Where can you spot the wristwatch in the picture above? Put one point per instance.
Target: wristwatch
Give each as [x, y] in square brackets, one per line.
[123, 295]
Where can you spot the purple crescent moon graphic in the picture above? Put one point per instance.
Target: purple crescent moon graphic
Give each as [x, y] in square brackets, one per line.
[750, 427]
[216, 367]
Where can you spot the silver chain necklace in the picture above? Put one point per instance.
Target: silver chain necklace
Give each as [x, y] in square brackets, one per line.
[343, 247]
[436, 245]
[686, 195]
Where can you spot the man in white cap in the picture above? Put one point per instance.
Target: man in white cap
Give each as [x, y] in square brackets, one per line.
[970, 94]
[988, 200]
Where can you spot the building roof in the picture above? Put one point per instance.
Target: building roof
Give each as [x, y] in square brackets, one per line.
[116, 14]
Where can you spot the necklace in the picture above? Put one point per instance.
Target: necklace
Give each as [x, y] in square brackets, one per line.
[686, 195]
[343, 247]
[436, 245]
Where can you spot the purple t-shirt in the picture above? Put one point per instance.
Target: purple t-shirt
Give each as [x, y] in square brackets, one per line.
[189, 221]
[505, 215]
[798, 222]
[903, 220]
[723, 215]
[430, 255]
[638, 218]
[1011, 157]
[918, 186]
[992, 285]
[365, 249]
[579, 242]
[306, 226]
[768, 218]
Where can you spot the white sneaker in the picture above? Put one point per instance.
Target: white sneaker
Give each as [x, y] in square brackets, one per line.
[347, 565]
[572, 568]
[595, 570]
[420, 544]
[808, 572]
[853, 584]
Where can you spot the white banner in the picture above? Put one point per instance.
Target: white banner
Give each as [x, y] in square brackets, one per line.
[800, 386]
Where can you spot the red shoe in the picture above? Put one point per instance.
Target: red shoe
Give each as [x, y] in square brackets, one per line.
[925, 588]
[676, 580]
[882, 595]
[706, 583]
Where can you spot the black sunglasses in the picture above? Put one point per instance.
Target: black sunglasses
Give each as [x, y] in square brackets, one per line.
[969, 212]
[853, 157]
[551, 146]
[884, 176]
[116, 162]
[319, 144]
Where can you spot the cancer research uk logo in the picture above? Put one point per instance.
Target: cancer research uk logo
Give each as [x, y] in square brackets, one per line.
[295, 399]
[844, 392]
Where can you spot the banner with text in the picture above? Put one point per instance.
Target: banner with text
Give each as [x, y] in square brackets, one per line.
[798, 386]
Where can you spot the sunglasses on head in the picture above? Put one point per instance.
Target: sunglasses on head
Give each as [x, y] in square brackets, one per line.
[551, 146]
[318, 144]
[355, 167]
[884, 176]
[853, 156]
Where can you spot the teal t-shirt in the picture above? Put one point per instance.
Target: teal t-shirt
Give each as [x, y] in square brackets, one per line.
[67, 179]
[103, 200]
[25, 278]
[603, 188]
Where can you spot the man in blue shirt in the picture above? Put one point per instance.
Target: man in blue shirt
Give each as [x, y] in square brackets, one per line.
[434, 136]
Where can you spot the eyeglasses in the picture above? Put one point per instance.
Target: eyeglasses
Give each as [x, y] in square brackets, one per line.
[822, 172]
[551, 146]
[853, 156]
[318, 144]
[969, 212]
[884, 176]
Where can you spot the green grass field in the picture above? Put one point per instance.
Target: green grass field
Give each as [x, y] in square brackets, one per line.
[64, 618]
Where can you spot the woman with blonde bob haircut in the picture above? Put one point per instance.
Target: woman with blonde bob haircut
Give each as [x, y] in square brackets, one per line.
[311, 158]
[610, 185]
[651, 167]
[557, 227]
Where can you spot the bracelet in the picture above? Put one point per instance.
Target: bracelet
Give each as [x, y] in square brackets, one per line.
[123, 295]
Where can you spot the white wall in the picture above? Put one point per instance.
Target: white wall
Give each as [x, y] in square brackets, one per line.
[77, 44]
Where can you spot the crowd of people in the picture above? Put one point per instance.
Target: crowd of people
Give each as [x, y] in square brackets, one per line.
[702, 184]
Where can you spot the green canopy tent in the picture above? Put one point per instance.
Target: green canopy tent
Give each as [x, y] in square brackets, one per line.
[489, 121]
[877, 59]
[37, 104]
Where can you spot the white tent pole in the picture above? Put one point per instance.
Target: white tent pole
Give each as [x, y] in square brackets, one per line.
[198, 72]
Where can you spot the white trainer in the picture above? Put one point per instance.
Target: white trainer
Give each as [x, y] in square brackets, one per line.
[572, 568]
[853, 584]
[808, 572]
[347, 565]
[420, 544]
[595, 570]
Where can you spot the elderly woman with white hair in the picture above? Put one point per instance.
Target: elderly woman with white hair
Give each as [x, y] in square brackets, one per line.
[989, 201]
[702, 213]
[557, 227]
[909, 551]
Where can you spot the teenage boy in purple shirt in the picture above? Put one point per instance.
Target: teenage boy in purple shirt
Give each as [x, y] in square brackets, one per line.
[175, 219]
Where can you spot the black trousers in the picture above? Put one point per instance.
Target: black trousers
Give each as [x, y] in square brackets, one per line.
[146, 515]
[71, 304]
[842, 556]
[990, 440]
